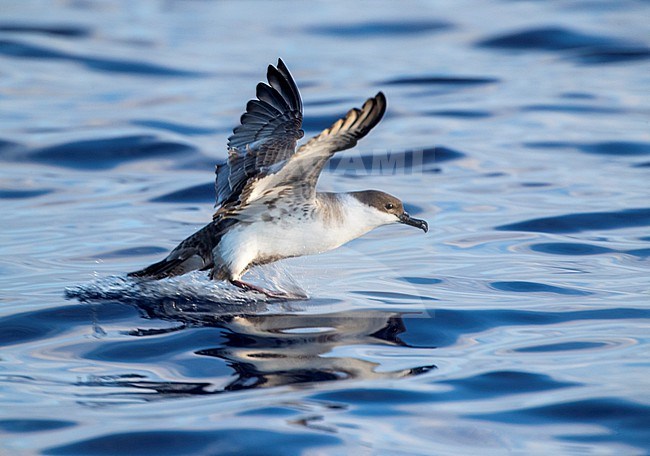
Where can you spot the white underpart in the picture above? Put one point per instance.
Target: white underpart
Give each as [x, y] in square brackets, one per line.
[292, 236]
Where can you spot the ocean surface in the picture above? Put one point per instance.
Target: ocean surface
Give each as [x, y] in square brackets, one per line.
[520, 130]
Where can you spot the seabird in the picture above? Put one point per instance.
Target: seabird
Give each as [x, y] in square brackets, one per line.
[268, 206]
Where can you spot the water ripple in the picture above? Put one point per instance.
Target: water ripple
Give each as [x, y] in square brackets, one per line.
[203, 193]
[536, 287]
[582, 48]
[22, 426]
[67, 31]
[23, 194]
[588, 221]
[611, 55]
[20, 50]
[499, 383]
[561, 347]
[214, 441]
[129, 252]
[600, 148]
[440, 80]
[381, 28]
[176, 127]
[619, 417]
[548, 39]
[101, 154]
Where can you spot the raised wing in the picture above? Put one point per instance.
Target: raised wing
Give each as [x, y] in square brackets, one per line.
[268, 133]
[298, 175]
[342, 135]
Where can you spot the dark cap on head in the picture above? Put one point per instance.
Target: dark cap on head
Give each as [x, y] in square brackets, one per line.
[379, 200]
[384, 202]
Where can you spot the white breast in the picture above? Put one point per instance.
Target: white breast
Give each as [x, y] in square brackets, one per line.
[295, 235]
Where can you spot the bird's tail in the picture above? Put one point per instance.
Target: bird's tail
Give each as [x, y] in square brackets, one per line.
[167, 268]
[194, 253]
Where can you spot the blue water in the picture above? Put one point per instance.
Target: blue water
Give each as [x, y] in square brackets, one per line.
[518, 324]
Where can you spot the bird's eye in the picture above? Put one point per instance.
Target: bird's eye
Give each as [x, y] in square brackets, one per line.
[389, 206]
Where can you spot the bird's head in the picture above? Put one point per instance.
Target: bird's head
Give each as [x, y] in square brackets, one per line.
[388, 209]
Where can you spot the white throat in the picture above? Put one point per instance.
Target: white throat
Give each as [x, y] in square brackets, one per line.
[361, 218]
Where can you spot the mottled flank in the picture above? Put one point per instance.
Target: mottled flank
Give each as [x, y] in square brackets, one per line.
[329, 206]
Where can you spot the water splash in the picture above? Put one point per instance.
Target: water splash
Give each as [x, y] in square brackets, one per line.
[190, 291]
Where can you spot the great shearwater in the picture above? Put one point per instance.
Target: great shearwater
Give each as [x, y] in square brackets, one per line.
[268, 206]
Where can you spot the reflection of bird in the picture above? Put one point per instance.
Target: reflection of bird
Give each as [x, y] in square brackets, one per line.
[274, 350]
[288, 348]
[269, 207]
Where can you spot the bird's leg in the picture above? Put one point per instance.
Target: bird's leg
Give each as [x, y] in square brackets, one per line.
[250, 287]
